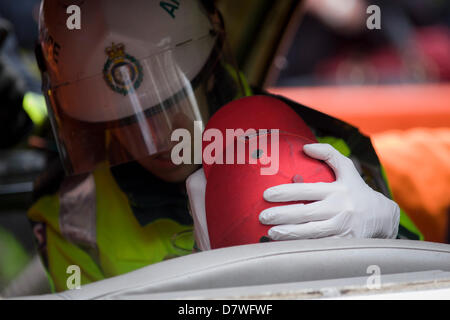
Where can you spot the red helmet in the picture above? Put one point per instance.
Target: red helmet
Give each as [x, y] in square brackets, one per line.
[234, 192]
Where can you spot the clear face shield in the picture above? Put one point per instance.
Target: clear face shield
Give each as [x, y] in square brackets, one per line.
[129, 111]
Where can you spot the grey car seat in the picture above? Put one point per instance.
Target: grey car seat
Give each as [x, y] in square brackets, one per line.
[266, 264]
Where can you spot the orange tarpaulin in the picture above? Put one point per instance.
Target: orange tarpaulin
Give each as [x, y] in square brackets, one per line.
[417, 163]
[378, 108]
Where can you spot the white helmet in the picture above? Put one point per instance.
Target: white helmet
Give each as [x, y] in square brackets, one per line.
[127, 74]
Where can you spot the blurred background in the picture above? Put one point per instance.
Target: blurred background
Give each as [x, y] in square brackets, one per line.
[22, 120]
[392, 83]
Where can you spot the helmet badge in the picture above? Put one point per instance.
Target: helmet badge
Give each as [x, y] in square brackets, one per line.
[122, 72]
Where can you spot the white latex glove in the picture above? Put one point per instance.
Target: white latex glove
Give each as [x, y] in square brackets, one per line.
[345, 208]
[196, 189]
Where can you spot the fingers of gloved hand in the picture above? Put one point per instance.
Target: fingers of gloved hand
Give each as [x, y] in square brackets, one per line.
[325, 152]
[310, 230]
[196, 189]
[297, 213]
[299, 192]
[196, 181]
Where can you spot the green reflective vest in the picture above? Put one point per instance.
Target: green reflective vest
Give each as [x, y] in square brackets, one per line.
[122, 244]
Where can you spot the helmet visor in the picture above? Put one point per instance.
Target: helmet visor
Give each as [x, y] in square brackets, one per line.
[130, 110]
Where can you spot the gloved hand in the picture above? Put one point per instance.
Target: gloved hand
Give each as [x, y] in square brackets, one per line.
[196, 189]
[345, 208]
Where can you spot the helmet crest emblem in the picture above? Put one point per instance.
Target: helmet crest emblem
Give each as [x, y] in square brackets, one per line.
[122, 72]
